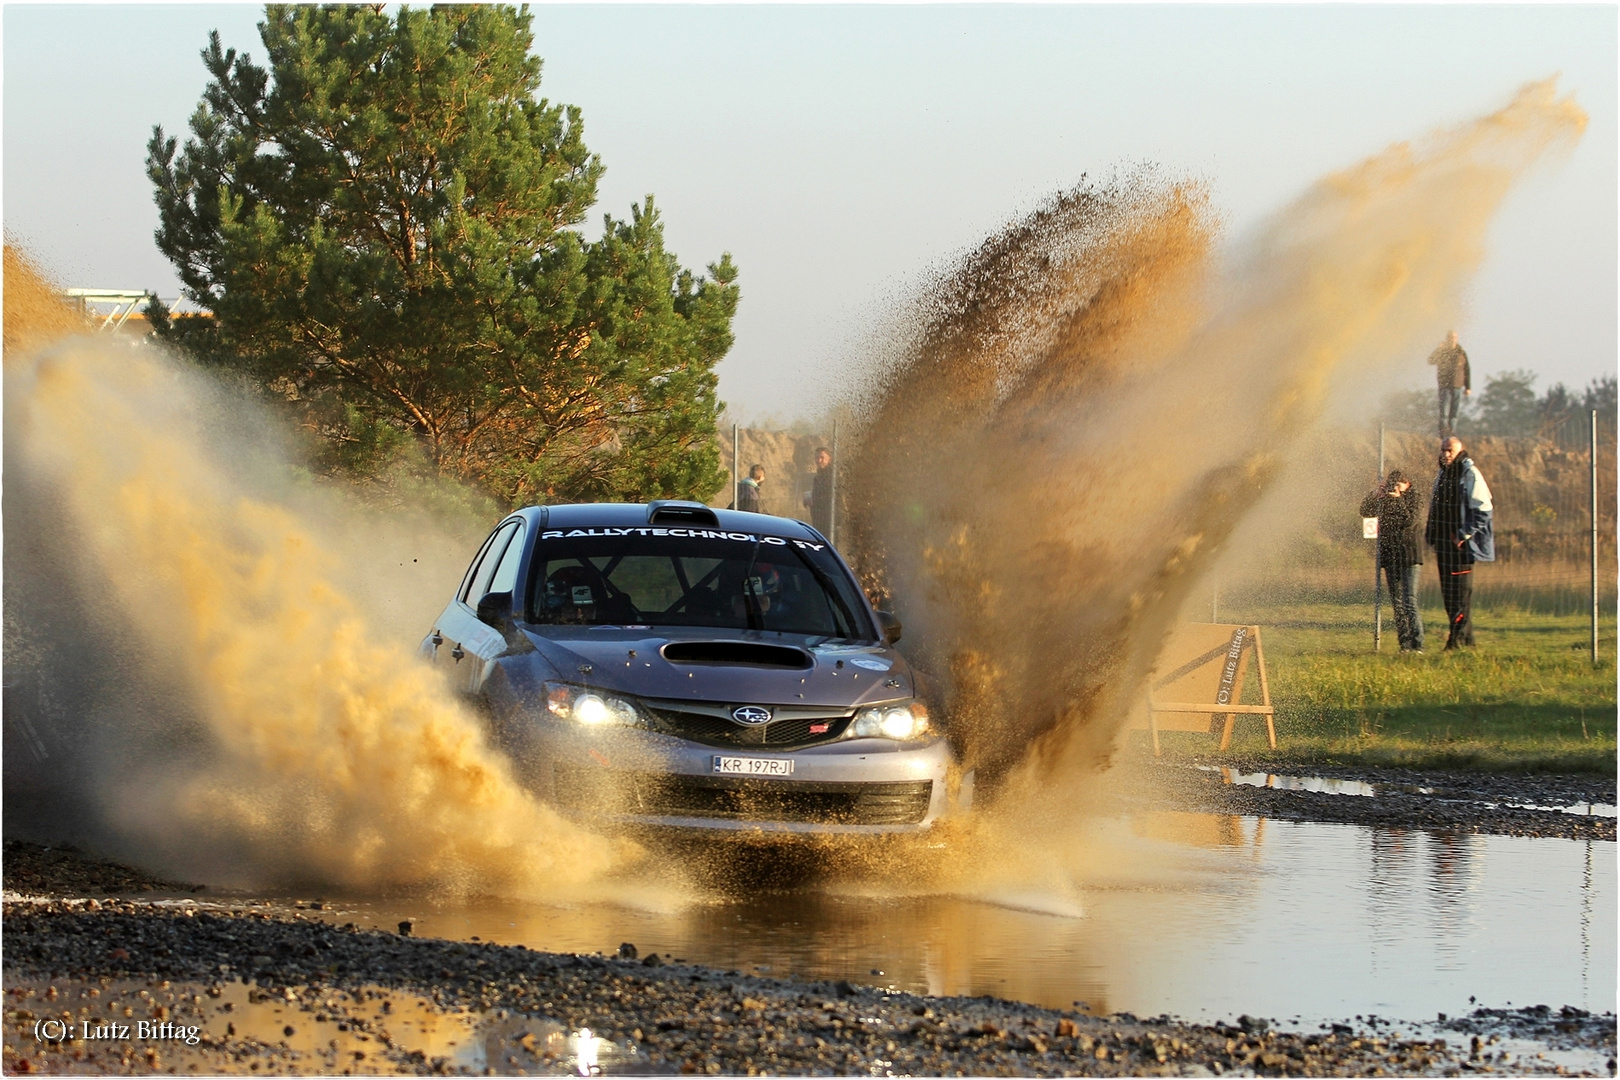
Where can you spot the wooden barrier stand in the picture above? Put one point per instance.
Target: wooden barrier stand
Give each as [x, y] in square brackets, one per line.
[1203, 665]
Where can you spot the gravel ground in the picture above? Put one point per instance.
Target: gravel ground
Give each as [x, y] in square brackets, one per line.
[230, 987]
[63, 870]
[1453, 802]
[247, 989]
[74, 963]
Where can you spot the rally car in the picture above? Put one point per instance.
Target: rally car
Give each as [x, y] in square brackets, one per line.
[679, 666]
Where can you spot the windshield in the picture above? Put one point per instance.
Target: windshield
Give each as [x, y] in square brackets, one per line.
[693, 577]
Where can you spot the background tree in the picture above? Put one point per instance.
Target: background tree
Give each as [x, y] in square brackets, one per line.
[1507, 405]
[382, 224]
[1411, 410]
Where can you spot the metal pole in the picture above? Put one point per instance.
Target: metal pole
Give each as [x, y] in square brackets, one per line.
[1594, 540]
[1378, 585]
[736, 471]
[832, 513]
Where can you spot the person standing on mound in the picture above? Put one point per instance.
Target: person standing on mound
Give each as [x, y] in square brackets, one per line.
[1455, 381]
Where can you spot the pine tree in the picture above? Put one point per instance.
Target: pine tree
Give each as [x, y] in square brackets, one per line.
[382, 224]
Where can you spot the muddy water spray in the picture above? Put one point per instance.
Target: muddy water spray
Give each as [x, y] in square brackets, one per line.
[308, 749]
[1097, 398]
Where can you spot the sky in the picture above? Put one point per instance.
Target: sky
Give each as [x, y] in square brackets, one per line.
[843, 154]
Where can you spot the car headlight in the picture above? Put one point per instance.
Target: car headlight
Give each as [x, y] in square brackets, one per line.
[907, 720]
[589, 707]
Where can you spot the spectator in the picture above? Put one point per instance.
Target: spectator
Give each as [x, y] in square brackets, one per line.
[1455, 380]
[1396, 507]
[819, 499]
[1459, 530]
[748, 489]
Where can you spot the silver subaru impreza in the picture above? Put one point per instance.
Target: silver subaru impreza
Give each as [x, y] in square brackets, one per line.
[679, 666]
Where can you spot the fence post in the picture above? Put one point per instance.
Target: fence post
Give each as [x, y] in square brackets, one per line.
[1594, 540]
[832, 514]
[736, 476]
[1378, 585]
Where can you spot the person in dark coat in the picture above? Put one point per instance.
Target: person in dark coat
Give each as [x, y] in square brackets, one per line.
[748, 489]
[1459, 530]
[820, 499]
[1397, 507]
[1454, 378]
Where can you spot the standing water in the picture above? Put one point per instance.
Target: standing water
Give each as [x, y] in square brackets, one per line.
[1281, 919]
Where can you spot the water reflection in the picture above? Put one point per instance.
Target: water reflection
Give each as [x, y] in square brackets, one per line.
[1389, 899]
[1203, 830]
[1271, 918]
[1451, 885]
[1586, 918]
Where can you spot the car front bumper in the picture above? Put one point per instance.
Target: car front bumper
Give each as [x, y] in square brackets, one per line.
[645, 778]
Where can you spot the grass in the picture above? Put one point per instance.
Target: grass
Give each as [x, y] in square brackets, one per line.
[1527, 699]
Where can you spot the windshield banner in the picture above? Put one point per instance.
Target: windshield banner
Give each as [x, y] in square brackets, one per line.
[695, 534]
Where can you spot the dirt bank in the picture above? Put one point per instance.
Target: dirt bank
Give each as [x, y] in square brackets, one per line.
[231, 987]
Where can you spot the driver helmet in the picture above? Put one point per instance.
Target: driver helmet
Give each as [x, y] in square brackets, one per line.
[766, 580]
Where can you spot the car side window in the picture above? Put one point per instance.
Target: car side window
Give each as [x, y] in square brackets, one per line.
[506, 573]
[478, 581]
[472, 567]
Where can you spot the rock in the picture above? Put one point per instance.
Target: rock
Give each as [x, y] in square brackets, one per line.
[405, 927]
[627, 951]
[653, 961]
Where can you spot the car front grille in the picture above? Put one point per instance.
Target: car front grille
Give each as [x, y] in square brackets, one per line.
[785, 733]
[734, 799]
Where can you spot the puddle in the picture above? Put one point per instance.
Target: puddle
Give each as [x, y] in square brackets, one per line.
[1280, 919]
[192, 1026]
[1323, 784]
[1331, 786]
[521, 1045]
[1585, 808]
[1499, 1053]
[230, 1026]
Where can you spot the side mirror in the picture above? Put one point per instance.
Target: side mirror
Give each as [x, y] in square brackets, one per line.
[495, 610]
[890, 626]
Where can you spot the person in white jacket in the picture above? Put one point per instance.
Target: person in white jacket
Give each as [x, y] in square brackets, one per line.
[1459, 530]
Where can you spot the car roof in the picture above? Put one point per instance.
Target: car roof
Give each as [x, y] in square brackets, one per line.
[628, 515]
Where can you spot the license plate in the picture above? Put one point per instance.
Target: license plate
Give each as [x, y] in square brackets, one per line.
[753, 766]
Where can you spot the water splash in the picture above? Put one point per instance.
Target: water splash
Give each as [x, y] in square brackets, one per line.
[1100, 395]
[287, 744]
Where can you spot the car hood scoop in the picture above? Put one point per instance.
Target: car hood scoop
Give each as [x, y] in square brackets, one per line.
[737, 654]
[724, 668]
